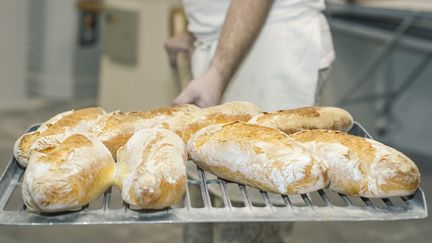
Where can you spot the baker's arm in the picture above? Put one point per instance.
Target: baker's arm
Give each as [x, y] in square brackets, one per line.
[242, 24]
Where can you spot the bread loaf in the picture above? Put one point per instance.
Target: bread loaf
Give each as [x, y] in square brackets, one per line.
[294, 120]
[360, 166]
[55, 130]
[115, 128]
[23, 143]
[225, 113]
[257, 156]
[152, 170]
[69, 176]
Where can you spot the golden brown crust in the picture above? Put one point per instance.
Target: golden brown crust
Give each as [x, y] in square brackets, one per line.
[243, 131]
[51, 132]
[22, 146]
[118, 118]
[167, 111]
[152, 170]
[358, 145]
[225, 113]
[115, 129]
[361, 167]
[305, 112]
[208, 120]
[306, 118]
[74, 119]
[258, 156]
[68, 177]
[60, 153]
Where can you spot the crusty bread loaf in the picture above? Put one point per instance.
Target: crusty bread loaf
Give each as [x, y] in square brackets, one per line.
[115, 128]
[69, 176]
[53, 120]
[261, 157]
[24, 142]
[294, 120]
[361, 167]
[55, 130]
[152, 170]
[225, 113]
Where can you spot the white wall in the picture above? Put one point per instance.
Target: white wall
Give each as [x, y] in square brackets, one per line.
[53, 47]
[150, 83]
[13, 48]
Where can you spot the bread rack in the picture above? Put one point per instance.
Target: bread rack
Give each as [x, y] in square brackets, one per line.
[323, 205]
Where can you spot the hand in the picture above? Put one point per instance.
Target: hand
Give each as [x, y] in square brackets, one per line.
[180, 42]
[204, 91]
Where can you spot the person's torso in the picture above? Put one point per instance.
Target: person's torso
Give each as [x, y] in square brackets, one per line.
[281, 69]
[206, 17]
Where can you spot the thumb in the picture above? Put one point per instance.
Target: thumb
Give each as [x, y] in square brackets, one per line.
[185, 97]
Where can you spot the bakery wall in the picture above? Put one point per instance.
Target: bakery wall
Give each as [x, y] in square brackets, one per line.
[53, 38]
[61, 65]
[408, 126]
[41, 56]
[13, 57]
[413, 114]
[135, 72]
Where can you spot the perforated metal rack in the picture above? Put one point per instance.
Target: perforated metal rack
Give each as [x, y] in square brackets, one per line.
[323, 205]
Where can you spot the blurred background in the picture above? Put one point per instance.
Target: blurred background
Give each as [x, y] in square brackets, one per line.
[57, 55]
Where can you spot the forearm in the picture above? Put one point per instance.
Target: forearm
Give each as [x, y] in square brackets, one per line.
[242, 24]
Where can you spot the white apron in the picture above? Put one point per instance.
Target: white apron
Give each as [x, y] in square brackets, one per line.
[281, 69]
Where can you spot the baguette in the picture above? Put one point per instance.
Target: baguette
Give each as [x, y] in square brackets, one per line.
[69, 176]
[24, 142]
[55, 130]
[360, 166]
[225, 113]
[115, 129]
[306, 118]
[261, 157]
[152, 170]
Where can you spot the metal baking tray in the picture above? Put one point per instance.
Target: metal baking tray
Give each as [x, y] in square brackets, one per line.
[199, 205]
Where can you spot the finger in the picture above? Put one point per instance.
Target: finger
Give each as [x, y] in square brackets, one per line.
[185, 97]
[201, 103]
